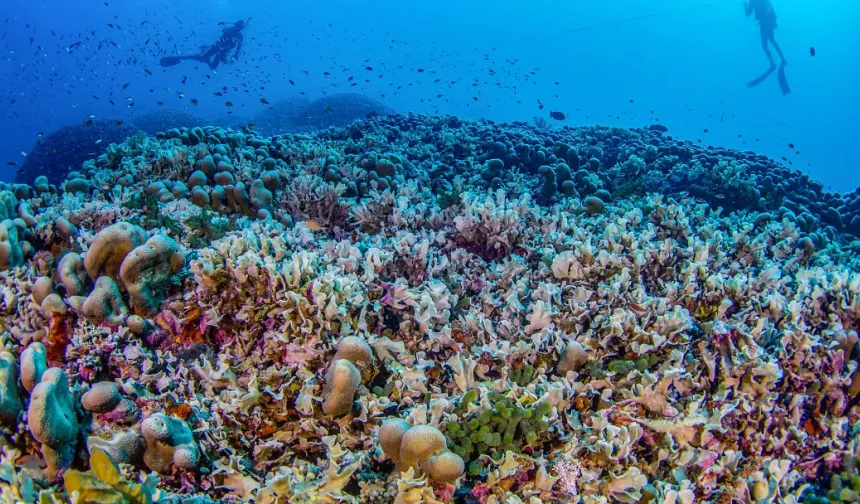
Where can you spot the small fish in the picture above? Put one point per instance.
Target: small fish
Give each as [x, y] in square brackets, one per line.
[119, 122]
[314, 225]
[147, 71]
[639, 309]
[23, 153]
[791, 146]
[229, 104]
[558, 116]
[811, 51]
[99, 141]
[194, 101]
[88, 122]
[329, 110]
[291, 82]
[264, 101]
[12, 163]
[126, 85]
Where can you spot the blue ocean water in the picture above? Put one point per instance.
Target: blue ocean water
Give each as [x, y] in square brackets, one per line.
[683, 63]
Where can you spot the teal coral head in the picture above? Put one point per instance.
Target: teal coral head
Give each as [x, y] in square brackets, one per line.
[34, 363]
[52, 421]
[11, 253]
[10, 401]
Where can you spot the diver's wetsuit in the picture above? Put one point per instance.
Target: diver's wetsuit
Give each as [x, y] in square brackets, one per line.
[230, 40]
[766, 17]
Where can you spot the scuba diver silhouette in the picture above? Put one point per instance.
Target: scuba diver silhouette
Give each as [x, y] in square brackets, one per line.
[231, 40]
[765, 15]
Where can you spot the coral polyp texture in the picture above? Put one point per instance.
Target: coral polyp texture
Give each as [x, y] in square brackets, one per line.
[429, 309]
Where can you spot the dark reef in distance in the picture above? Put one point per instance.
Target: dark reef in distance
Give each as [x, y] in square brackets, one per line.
[298, 114]
[67, 148]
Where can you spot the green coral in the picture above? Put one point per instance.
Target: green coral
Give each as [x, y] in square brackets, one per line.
[208, 226]
[449, 198]
[507, 425]
[523, 376]
[103, 484]
[151, 216]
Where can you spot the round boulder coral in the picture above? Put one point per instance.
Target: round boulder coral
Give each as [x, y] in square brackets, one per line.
[147, 269]
[342, 381]
[168, 441]
[101, 397]
[110, 247]
[34, 363]
[72, 275]
[422, 447]
[391, 435]
[11, 253]
[104, 304]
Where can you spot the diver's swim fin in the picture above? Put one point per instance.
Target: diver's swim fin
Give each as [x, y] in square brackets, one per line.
[783, 81]
[761, 78]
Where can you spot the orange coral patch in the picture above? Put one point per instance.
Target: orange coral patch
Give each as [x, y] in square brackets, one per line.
[57, 339]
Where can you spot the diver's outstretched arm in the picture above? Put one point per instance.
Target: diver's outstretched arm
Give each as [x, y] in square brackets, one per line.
[748, 9]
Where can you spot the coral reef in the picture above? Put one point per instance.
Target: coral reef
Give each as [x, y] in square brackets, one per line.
[429, 309]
